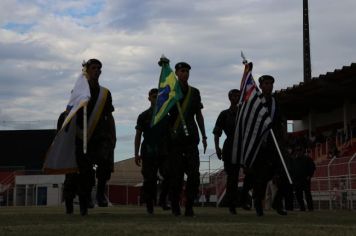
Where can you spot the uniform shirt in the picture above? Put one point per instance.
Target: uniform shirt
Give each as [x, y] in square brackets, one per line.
[104, 128]
[268, 155]
[226, 123]
[104, 134]
[277, 125]
[276, 116]
[156, 138]
[194, 106]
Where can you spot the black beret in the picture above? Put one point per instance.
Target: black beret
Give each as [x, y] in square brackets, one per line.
[232, 91]
[265, 77]
[152, 91]
[181, 65]
[92, 61]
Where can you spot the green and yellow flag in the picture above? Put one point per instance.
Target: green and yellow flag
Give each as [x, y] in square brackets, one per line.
[169, 92]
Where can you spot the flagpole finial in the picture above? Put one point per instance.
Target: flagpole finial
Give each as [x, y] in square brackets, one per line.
[163, 60]
[244, 60]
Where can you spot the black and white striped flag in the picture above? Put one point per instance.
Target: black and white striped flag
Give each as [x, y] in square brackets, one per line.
[253, 121]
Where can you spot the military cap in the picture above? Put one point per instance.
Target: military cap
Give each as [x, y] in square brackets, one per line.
[265, 77]
[232, 91]
[181, 65]
[92, 61]
[152, 91]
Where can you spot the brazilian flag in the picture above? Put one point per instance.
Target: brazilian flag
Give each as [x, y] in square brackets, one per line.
[169, 92]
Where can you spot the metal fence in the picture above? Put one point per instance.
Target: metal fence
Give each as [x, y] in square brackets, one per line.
[333, 187]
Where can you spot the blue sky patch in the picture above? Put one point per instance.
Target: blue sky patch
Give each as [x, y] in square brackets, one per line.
[91, 9]
[18, 27]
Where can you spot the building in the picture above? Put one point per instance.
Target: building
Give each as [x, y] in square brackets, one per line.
[125, 183]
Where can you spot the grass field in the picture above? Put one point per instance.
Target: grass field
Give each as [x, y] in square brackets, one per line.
[123, 220]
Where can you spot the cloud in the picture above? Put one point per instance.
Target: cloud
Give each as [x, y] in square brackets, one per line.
[42, 45]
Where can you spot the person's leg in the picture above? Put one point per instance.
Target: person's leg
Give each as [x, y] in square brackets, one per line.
[165, 183]
[308, 195]
[103, 174]
[86, 180]
[289, 197]
[149, 173]
[191, 167]
[279, 195]
[176, 176]
[259, 191]
[69, 191]
[261, 176]
[278, 202]
[246, 187]
[299, 195]
[232, 175]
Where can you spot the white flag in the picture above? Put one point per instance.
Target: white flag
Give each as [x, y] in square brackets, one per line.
[79, 98]
[61, 156]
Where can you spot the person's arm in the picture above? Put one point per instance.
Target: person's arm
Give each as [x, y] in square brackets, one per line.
[217, 145]
[217, 131]
[200, 121]
[137, 147]
[112, 130]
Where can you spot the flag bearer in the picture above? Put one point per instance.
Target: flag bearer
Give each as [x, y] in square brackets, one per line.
[101, 140]
[267, 165]
[184, 153]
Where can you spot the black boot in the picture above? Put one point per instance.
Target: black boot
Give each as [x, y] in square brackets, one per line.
[189, 209]
[176, 208]
[69, 206]
[281, 212]
[277, 204]
[83, 205]
[258, 207]
[101, 200]
[245, 203]
[232, 210]
[149, 207]
[91, 204]
[100, 194]
[163, 204]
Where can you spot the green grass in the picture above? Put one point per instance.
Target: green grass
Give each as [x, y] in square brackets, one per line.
[123, 220]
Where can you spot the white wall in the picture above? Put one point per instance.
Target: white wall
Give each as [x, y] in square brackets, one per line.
[54, 195]
[53, 183]
[39, 179]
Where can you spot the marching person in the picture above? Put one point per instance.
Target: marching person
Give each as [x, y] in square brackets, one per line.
[152, 154]
[303, 170]
[184, 153]
[226, 123]
[267, 165]
[101, 139]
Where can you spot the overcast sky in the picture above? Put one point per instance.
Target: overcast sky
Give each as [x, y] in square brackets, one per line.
[43, 42]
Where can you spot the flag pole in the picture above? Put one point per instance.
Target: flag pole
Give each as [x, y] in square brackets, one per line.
[281, 157]
[234, 149]
[85, 129]
[164, 60]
